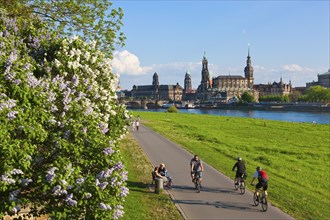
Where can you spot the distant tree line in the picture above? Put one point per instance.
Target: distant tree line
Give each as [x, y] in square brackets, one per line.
[316, 94]
[274, 98]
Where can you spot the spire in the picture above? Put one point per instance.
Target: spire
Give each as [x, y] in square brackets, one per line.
[248, 51]
[204, 57]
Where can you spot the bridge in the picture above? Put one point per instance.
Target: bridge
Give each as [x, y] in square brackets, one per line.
[142, 103]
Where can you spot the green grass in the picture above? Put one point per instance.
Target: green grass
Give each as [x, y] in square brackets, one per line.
[141, 203]
[295, 155]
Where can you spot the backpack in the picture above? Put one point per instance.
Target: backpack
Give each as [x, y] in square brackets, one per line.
[263, 175]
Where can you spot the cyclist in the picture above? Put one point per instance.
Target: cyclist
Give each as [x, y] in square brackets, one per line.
[196, 168]
[241, 170]
[262, 180]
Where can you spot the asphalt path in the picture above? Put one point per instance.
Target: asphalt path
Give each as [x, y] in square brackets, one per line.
[217, 200]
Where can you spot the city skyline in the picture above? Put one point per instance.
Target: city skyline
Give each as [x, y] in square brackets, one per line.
[287, 39]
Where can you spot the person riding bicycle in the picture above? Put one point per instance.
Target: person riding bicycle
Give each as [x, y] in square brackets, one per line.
[196, 168]
[241, 170]
[262, 180]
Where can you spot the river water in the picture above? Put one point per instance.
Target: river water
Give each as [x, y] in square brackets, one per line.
[309, 117]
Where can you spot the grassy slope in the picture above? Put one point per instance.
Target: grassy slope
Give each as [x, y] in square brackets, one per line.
[295, 155]
[141, 203]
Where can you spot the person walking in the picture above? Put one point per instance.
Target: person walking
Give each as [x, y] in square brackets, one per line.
[137, 124]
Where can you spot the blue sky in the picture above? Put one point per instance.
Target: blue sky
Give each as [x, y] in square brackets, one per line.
[288, 39]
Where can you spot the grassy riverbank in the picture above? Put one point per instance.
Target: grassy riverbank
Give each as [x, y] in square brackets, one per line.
[295, 155]
[141, 203]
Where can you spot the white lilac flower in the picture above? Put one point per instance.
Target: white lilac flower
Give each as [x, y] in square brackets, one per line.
[88, 111]
[25, 182]
[57, 63]
[80, 180]
[16, 172]
[103, 185]
[53, 108]
[5, 178]
[124, 175]
[52, 121]
[11, 115]
[13, 195]
[103, 206]
[84, 130]
[124, 191]
[51, 174]
[17, 81]
[88, 195]
[32, 81]
[119, 212]
[69, 201]
[16, 209]
[108, 173]
[108, 151]
[103, 127]
[119, 165]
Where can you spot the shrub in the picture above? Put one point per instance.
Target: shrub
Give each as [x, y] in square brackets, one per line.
[172, 109]
[60, 126]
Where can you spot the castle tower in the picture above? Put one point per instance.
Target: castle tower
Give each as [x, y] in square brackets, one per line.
[248, 70]
[187, 82]
[155, 80]
[205, 83]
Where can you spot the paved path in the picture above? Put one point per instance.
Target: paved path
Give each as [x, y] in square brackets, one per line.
[217, 200]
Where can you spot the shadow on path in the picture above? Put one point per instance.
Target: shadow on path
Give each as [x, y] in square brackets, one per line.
[221, 204]
[206, 189]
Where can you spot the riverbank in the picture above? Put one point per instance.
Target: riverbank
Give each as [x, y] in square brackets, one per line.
[293, 154]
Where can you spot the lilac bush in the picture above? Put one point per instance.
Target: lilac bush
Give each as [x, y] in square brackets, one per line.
[60, 126]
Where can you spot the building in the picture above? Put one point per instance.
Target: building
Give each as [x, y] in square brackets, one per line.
[224, 87]
[157, 92]
[322, 80]
[275, 88]
[188, 92]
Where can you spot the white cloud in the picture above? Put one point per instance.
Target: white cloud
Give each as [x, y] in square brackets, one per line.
[127, 63]
[132, 73]
[292, 68]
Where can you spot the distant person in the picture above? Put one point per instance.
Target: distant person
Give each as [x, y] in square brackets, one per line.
[196, 168]
[137, 123]
[241, 170]
[262, 177]
[133, 125]
[138, 117]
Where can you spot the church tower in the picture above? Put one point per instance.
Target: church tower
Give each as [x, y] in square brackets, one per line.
[187, 82]
[155, 81]
[248, 70]
[205, 83]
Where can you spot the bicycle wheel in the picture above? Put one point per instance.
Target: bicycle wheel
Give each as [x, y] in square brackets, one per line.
[255, 199]
[242, 187]
[236, 185]
[264, 204]
[198, 187]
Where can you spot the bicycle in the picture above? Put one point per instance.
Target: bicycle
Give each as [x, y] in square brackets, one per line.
[262, 200]
[240, 184]
[197, 182]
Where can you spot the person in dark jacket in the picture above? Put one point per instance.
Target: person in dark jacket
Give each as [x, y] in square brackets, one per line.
[241, 169]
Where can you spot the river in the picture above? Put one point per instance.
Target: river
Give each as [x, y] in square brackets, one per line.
[290, 116]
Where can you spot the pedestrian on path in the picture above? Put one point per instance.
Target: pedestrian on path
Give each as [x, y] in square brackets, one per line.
[137, 123]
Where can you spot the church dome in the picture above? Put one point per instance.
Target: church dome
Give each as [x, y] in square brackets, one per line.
[248, 68]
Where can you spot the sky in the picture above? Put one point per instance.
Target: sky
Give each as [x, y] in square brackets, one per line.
[288, 39]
